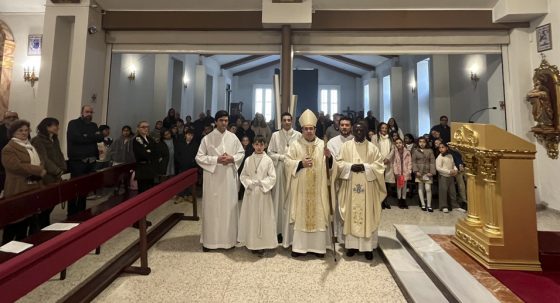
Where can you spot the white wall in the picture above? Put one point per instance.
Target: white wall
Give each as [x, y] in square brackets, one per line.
[131, 101]
[522, 59]
[23, 98]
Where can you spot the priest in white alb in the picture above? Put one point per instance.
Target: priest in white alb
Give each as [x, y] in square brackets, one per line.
[360, 169]
[220, 154]
[334, 145]
[277, 149]
[309, 218]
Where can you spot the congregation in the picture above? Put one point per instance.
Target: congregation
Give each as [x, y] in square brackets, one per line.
[323, 182]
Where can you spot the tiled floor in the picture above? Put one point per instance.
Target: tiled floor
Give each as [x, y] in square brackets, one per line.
[181, 272]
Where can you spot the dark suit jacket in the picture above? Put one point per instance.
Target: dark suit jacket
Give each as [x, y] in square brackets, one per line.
[82, 138]
[147, 156]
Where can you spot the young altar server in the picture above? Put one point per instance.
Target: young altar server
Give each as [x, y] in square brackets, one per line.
[257, 223]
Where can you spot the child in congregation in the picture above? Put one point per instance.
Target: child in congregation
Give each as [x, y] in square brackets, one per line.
[387, 150]
[409, 142]
[257, 221]
[424, 169]
[447, 171]
[402, 167]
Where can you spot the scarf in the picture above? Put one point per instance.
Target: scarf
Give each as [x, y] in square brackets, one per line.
[33, 155]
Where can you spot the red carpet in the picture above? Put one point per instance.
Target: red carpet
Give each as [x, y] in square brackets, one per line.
[538, 287]
[531, 287]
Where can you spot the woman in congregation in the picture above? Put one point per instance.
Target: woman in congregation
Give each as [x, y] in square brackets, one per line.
[166, 148]
[259, 127]
[48, 147]
[424, 170]
[394, 128]
[147, 157]
[24, 172]
[121, 149]
[385, 145]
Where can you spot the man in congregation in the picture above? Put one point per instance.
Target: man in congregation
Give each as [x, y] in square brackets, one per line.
[9, 118]
[334, 145]
[220, 155]
[443, 129]
[360, 169]
[277, 149]
[82, 137]
[334, 129]
[308, 206]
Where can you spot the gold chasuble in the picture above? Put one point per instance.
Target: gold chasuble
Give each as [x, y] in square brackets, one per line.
[307, 188]
[360, 194]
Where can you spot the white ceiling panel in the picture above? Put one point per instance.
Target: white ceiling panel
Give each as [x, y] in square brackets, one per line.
[223, 59]
[254, 63]
[374, 60]
[337, 63]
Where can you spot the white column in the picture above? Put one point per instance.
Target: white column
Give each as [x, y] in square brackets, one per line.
[200, 91]
[441, 101]
[162, 87]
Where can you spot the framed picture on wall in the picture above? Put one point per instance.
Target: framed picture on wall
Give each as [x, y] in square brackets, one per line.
[544, 38]
[34, 44]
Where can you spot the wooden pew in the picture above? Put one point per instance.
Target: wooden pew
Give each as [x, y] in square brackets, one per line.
[25, 271]
[30, 203]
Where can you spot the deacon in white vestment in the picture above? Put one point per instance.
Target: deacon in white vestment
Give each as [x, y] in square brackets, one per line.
[257, 222]
[360, 169]
[277, 149]
[334, 145]
[220, 154]
[308, 200]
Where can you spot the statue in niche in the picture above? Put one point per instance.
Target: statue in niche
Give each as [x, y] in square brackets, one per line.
[545, 102]
[539, 97]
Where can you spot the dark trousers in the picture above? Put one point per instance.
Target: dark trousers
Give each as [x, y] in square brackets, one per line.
[78, 168]
[144, 184]
[15, 231]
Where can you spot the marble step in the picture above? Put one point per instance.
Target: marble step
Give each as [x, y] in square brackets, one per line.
[448, 275]
[412, 280]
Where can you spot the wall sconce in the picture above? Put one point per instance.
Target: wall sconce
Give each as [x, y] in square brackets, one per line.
[30, 76]
[474, 79]
[132, 74]
[413, 87]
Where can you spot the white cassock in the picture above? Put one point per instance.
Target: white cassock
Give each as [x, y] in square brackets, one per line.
[277, 149]
[360, 194]
[334, 145]
[307, 229]
[257, 222]
[220, 209]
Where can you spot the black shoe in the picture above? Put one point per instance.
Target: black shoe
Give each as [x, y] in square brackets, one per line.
[405, 205]
[385, 204]
[423, 208]
[369, 255]
[280, 238]
[430, 210]
[296, 254]
[320, 256]
[350, 252]
[204, 249]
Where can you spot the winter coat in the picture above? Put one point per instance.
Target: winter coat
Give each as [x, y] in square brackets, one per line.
[51, 157]
[402, 164]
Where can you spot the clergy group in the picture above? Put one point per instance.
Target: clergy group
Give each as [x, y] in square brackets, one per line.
[301, 192]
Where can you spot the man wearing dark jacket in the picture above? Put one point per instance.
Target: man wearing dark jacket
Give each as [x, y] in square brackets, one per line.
[82, 137]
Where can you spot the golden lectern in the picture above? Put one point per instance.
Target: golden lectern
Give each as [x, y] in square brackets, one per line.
[500, 229]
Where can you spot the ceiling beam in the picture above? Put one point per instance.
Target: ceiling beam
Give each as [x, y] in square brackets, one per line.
[352, 62]
[331, 67]
[241, 61]
[322, 20]
[256, 68]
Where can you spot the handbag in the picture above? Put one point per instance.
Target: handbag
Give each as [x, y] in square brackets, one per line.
[400, 181]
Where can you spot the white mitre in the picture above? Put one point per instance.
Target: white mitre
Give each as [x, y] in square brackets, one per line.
[308, 118]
